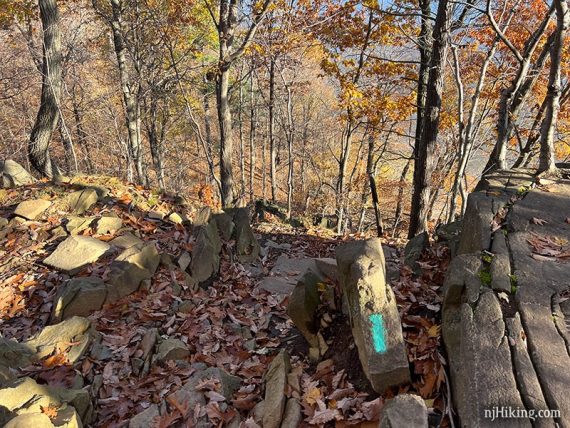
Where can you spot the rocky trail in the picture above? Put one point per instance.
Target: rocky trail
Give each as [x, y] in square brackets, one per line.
[125, 307]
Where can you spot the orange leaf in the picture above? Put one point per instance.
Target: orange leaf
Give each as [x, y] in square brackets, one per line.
[50, 411]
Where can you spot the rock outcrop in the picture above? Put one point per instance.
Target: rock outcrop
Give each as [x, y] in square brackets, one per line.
[373, 313]
[12, 174]
[505, 345]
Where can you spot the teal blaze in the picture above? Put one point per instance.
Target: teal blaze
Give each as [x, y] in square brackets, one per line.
[378, 333]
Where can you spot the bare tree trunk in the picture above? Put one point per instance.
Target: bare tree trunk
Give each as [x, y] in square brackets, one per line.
[272, 147]
[513, 98]
[81, 134]
[132, 109]
[241, 143]
[69, 149]
[547, 137]
[400, 204]
[424, 162]
[226, 141]
[48, 113]
[252, 127]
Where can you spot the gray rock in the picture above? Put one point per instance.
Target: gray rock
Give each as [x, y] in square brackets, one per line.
[500, 273]
[184, 260]
[145, 419]
[302, 308]
[275, 384]
[373, 313]
[108, 224]
[202, 217]
[188, 393]
[327, 267]
[247, 247]
[127, 240]
[172, 349]
[225, 225]
[133, 266]
[12, 174]
[25, 396]
[75, 225]
[75, 253]
[206, 253]
[147, 343]
[14, 354]
[72, 333]
[413, 251]
[526, 374]
[277, 285]
[155, 215]
[404, 410]
[79, 297]
[32, 209]
[292, 416]
[82, 200]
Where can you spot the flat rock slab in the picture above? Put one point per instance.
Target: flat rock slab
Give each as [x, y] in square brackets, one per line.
[31, 210]
[76, 252]
[506, 338]
[79, 297]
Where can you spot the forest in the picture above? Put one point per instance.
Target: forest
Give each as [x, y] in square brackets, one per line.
[304, 104]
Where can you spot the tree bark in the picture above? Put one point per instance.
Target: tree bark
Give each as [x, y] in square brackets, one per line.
[48, 113]
[425, 154]
[272, 146]
[548, 129]
[252, 128]
[132, 109]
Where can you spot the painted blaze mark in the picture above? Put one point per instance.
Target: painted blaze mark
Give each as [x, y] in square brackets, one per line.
[378, 333]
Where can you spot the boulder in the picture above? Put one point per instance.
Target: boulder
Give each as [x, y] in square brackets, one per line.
[133, 266]
[75, 253]
[172, 349]
[414, 249]
[275, 384]
[303, 305]
[225, 225]
[247, 247]
[108, 224]
[26, 397]
[373, 313]
[72, 334]
[14, 354]
[404, 410]
[32, 209]
[82, 200]
[206, 253]
[12, 174]
[79, 297]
